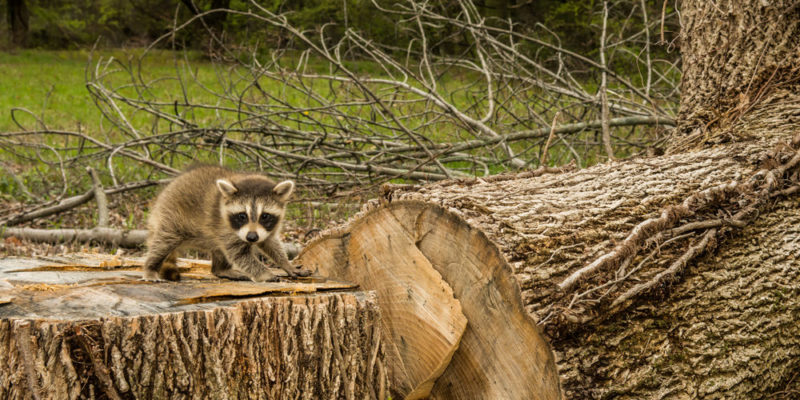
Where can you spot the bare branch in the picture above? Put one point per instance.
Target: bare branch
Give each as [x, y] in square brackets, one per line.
[100, 198]
[117, 237]
[72, 202]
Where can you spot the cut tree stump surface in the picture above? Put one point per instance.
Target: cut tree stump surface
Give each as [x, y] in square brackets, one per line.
[95, 285]
[424, 321]
[85, 326]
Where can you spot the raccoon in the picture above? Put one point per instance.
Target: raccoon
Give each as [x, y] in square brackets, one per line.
[237, 217]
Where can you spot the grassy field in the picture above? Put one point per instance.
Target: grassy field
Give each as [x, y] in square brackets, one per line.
[52, 84]
[50, 88]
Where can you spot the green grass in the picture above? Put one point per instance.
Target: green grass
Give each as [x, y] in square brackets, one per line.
[52, 85]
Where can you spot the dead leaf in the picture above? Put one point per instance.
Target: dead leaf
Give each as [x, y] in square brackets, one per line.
[13, 241]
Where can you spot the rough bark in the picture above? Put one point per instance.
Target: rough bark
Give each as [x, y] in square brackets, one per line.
[115, 237]
[734, 52]
[93, 330]
[727, 330]
[689, 281]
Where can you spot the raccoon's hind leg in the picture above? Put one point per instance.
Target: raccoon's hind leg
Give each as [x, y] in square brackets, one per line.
[160, 261]
[222, 268]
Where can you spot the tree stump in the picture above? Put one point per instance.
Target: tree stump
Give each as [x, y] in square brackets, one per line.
[86, 327]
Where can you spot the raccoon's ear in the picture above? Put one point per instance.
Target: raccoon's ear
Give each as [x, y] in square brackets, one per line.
[283, 190]
[226, 187]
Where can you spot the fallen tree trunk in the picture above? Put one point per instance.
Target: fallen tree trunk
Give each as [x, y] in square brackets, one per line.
[665, 277]
[87, 327]
[115, 237]
[111, 236]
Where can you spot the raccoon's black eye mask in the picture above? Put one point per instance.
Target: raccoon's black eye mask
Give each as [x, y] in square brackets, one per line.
[238, 220]
[268, 220]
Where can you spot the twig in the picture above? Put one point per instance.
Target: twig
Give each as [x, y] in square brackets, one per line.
[688, 227]
[603, 91]
[100, 198]
[663, 18]
[643, 5]
[63, 205]
[543, 159]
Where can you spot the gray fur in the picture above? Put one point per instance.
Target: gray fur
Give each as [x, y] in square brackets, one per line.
[198, 210]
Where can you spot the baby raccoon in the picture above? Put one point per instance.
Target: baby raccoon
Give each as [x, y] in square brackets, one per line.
[234, 216]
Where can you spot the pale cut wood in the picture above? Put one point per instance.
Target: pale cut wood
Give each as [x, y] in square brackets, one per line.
[425, 322]
[502, 355]
[86, 330]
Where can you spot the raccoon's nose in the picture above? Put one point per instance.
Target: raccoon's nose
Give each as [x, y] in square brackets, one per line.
[251, 236]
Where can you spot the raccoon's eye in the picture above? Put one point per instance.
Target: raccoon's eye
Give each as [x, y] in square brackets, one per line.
[241, 217]
[268, 220]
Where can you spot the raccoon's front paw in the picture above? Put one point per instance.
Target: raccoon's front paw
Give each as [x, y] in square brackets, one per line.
[265, 277]
[302, 271]
[297, 270]
[232, 275]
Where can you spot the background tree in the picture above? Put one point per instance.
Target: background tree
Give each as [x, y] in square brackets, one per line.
[17, 14]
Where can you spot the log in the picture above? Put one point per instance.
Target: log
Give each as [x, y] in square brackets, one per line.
[85, 326]
[395, 250]
[111, 236]
[662, 277]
